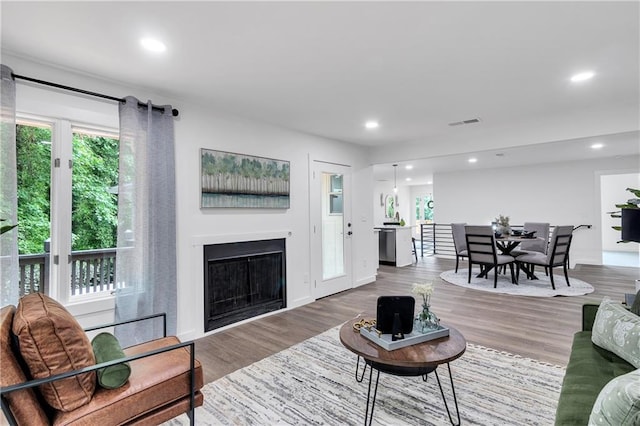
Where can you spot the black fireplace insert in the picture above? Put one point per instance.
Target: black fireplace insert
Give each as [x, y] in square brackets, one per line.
[243, 280]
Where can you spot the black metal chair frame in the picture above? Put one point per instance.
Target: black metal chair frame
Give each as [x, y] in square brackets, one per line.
[560, 241]
[458, 255]
[37, 382]
[414, 252]
[485, 267]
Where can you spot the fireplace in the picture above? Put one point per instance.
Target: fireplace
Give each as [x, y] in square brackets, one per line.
[243, 280]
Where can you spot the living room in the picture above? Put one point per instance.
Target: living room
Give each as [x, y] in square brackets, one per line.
[52, 42]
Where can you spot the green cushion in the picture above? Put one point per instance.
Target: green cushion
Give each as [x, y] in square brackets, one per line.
[589, 369]
[107, 348]
[618, 403]
[617, 330]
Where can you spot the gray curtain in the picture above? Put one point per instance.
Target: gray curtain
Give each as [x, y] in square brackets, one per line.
[9, 291]
[146, 253]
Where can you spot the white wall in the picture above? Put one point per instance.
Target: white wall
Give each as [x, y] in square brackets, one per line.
[365, 241]
[201, 127]
[406, 199]
[565, 193]
[404, 202]
[613, 191]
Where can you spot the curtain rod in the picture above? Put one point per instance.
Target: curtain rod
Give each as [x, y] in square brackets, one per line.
[174, 111]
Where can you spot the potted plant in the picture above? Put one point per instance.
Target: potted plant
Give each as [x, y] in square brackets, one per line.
[629, 228]
[502, 225]
[629, 213]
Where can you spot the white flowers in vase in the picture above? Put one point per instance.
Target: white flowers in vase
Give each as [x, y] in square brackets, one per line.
[502, 224]
[426, 319]
[425, 290]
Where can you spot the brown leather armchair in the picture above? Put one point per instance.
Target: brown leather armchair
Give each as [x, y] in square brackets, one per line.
[165, 381]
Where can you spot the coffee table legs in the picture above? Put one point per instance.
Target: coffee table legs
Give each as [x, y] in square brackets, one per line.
[368, 415]
[364, 370]
[453, 391]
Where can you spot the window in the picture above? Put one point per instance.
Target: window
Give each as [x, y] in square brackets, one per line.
[335, 194]
[424, 208]
[428, 208]
[67, 207]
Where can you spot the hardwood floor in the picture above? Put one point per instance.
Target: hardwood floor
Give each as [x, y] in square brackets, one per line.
[539, 328]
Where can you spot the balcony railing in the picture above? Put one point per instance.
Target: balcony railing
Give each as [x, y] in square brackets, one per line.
[437, 239]
[92, 271]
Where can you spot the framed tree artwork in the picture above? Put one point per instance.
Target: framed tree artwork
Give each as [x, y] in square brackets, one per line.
[242, 181]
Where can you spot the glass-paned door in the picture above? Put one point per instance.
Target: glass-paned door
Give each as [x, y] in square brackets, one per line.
[67, 182]
[331, 229]
[94, 211]
[33, 158]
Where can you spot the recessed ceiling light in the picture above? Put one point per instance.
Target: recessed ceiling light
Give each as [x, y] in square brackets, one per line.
[473, 160]
[408, 179]
[153, 45]
[597, 146]
[408, 167]
[371, 124]
[430, 183]
[582, 76]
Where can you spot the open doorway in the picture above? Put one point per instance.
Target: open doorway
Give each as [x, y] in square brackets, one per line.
[613, 191]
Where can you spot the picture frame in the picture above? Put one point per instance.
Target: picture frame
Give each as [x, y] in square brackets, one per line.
[395, 308]
[233, 180]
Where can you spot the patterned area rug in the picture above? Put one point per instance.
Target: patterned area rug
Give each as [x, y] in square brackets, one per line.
[313, 383]
[537, 288]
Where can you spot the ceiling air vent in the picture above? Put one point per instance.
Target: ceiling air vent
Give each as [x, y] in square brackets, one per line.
[460, 123]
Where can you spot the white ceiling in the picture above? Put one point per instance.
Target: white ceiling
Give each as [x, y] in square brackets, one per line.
[324, 68]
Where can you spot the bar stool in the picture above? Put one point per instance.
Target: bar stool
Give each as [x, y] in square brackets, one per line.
[414, 252]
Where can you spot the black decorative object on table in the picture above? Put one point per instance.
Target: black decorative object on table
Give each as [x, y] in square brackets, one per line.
[396, 330]
[394, 315]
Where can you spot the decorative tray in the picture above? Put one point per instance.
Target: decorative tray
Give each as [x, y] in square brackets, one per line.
[413, 338]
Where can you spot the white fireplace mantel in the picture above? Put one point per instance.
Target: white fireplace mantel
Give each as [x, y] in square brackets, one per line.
[203, 240]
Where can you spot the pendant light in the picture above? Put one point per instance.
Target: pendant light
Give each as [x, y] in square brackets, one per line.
[395, 184]
[395, 178]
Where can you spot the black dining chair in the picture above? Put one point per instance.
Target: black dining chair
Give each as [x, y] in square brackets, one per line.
[459, 242]
[558, 255]
[481, 248]
[414, 252]
[539, 244]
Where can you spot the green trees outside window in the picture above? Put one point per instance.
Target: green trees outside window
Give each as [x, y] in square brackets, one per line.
[424, 208]
[33, 148]
[94, 192]
[94, 189]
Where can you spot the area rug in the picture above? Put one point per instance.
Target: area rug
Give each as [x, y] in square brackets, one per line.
[313, 383]
[536, 288]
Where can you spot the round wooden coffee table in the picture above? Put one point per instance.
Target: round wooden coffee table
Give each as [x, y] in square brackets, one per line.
[415, 360]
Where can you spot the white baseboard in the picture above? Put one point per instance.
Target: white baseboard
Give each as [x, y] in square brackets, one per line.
[365, 280]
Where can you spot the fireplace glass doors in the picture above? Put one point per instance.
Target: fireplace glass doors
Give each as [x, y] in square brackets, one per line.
[243, 280]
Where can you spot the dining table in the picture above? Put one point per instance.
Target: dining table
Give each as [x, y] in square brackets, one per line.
[507, 243]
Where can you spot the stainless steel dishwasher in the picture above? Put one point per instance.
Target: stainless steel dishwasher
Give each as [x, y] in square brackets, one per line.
[387, 246]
